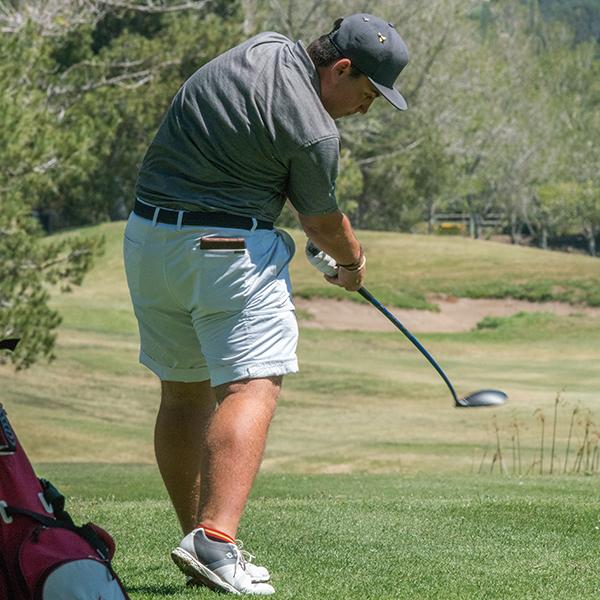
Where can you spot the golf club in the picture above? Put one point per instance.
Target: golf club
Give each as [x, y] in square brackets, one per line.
[328, 266]
[479, 398]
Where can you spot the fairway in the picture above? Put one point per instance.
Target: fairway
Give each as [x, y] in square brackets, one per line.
[373, 485]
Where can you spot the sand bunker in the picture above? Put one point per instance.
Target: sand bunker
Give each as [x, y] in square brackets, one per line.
[456, 314]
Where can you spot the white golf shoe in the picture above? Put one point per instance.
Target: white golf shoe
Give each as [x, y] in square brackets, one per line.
[257, 573]
[220, 566]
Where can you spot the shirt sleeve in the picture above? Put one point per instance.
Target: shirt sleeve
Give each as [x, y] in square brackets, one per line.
[311, 182]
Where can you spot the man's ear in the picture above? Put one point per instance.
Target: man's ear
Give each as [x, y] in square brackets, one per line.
[341, 66]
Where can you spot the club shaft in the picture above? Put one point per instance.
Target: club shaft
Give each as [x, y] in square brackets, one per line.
[384, 311]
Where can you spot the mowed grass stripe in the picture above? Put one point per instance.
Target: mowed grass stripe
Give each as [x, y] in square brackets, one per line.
[356, 389]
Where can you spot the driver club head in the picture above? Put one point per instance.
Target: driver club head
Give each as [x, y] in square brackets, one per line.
[482, 398]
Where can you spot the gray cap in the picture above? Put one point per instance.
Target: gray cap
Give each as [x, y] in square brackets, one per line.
[376, 49]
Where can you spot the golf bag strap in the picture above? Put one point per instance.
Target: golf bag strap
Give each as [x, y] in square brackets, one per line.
[56, 500]
[85, 531]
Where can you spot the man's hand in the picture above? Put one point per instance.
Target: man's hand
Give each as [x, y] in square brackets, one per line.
[333, 233]
[350, 277]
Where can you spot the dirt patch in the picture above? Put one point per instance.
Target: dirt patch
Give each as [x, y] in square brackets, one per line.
[455, 314]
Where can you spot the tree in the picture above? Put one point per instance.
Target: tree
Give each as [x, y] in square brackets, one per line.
[553, 209]
[573, 80]
[110, 69]
[350, 182]
[29, 144]
[582, 15]
[403, 155]
[587, 211]
[29, 265]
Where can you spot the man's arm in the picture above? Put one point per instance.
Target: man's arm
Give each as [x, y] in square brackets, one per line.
[311, 190]
[333, 234]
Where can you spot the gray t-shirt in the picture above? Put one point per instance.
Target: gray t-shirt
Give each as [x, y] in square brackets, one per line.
[245, 131]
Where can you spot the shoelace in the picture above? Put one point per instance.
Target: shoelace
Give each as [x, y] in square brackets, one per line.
[247, 557]
[242, 556]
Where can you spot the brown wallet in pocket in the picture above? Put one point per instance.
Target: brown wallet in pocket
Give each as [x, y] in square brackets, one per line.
[221, 243]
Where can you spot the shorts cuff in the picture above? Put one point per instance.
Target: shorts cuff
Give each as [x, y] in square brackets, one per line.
[253, 371]
[191, 375]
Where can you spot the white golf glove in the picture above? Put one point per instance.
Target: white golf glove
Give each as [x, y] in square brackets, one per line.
[321, 261]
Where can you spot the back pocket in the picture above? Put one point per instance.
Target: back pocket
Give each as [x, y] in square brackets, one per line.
[224, 278]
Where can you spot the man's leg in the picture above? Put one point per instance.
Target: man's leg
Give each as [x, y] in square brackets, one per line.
[235, 442]
[230, 455]
[208, 459]
[179, 441]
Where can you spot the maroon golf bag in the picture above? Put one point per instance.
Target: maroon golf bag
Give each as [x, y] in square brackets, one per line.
[43, 554]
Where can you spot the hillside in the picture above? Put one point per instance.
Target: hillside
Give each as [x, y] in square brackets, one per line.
[405, 271]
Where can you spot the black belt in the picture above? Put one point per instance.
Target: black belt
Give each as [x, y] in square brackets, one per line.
[192, 217]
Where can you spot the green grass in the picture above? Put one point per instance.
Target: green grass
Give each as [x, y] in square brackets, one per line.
[407, 270]
[379, 537]
[373, 485]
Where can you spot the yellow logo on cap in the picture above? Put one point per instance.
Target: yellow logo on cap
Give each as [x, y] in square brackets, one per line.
[382, 38]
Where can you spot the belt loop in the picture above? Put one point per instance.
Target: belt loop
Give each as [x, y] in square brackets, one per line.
[254, 225]
[155, 217]
[179, 219]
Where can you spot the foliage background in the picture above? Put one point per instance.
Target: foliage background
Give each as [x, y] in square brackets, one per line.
[503, 102]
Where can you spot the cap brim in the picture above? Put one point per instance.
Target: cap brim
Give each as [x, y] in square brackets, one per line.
[392, 95]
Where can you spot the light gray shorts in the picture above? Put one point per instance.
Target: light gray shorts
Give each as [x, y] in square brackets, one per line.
[211, 314]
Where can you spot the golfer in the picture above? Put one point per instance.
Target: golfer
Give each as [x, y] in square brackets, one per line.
[208, 272]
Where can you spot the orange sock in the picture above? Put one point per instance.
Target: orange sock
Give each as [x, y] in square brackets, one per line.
[216, 535]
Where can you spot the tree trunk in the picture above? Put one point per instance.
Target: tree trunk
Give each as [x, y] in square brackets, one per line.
[430, 215]
[590, 234]
[515, 229]
[249, 7]
[544, 238]
[473, 225]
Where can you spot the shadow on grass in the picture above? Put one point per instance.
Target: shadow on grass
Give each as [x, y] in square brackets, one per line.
[163, 590]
